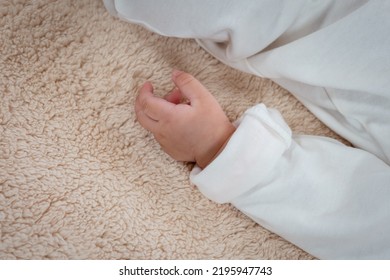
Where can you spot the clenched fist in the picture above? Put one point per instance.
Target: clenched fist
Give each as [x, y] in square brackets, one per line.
[195, 130]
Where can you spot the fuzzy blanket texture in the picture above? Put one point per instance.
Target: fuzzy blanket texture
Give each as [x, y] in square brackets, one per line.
[79, 177]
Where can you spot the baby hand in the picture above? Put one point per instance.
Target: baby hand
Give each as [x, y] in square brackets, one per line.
[193, 131]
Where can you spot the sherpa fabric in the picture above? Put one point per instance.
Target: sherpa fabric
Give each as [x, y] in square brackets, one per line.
[79, 177]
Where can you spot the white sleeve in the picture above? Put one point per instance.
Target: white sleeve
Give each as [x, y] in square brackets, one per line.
[234, 31]
[239, 29]
[327, 198]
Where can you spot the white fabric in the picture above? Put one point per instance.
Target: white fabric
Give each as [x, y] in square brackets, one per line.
[334, 56]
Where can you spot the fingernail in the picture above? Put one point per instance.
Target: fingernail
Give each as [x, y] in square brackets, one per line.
[176, 73]
[147, 86]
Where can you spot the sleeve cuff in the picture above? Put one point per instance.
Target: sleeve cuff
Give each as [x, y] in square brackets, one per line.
[248, 159]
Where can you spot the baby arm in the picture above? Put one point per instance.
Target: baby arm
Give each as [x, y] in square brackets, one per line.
[195, 131]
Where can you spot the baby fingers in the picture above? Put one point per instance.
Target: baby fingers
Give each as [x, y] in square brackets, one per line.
[151, 109]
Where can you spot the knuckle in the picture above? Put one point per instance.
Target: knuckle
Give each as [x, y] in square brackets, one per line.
[159, 136]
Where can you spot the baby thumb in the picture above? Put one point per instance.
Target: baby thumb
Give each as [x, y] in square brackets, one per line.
[190, 87]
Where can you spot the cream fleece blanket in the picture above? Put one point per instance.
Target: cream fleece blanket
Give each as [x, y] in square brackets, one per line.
[79, 177]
